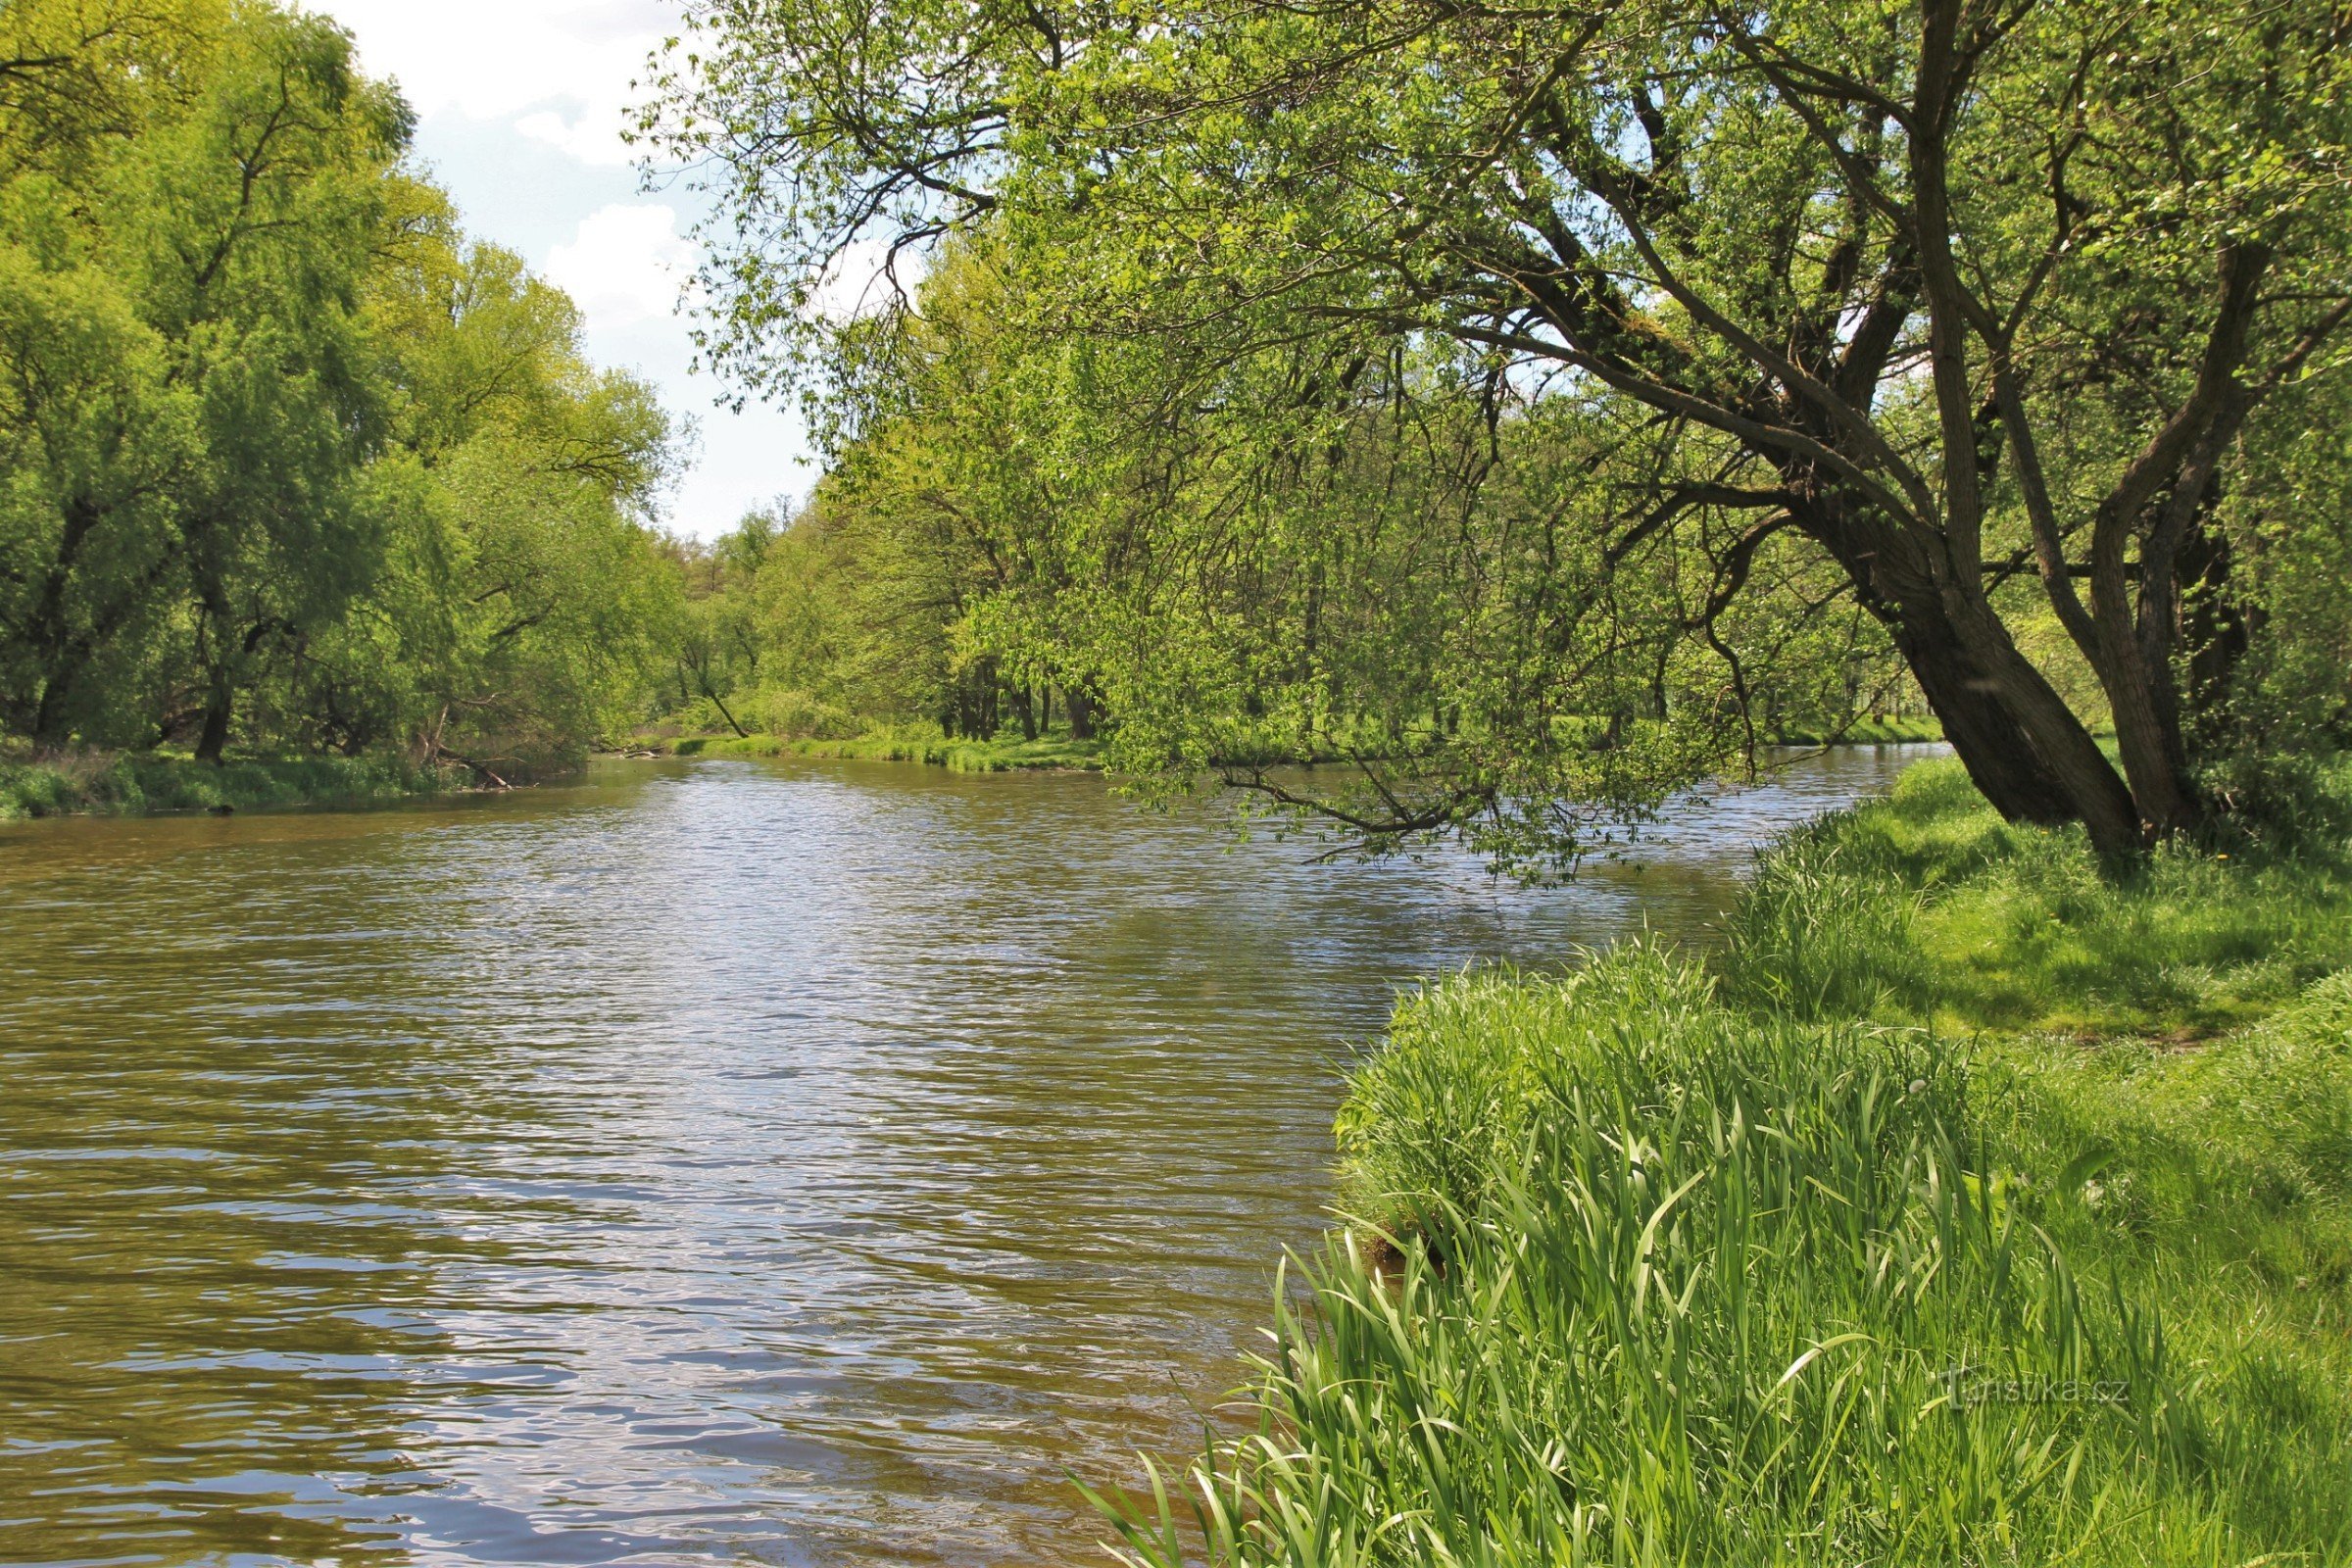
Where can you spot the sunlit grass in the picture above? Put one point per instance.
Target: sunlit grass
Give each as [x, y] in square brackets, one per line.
[1929, 907]
[1912, 1230]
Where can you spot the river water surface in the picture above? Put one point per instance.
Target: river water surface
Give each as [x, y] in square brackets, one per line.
[712, 1162]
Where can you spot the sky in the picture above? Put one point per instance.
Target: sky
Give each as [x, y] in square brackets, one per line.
[519, 108]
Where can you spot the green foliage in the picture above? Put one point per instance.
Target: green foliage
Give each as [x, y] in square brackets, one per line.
[938, 751]
[866, 613]
[1655, 1265]
[116, 784]
[284, 462]
[1470, 375]
[1230, 567]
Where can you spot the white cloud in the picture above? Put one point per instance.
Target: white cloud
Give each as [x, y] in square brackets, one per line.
[592, 138]
[496, 59]
[626, 265]
[860, 282]
[523, 104]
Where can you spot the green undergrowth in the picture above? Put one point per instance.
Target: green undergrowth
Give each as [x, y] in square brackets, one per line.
[1864, 732]
[1911, 1226]
[1064, 752]
[123, 784]
[960, 755]
[1927, 908]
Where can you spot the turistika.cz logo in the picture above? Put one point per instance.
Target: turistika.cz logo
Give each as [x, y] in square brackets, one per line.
[1970, 1387]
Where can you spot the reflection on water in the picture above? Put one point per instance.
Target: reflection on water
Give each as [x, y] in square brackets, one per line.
[712, 1163]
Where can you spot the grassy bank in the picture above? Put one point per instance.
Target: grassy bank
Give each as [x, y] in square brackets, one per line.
[123, 784]
[961, 756]
[1064, 752]
[1962, 1209]
[1863, 732]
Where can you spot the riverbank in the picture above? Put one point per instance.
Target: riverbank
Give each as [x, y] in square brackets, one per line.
[960, 755]
[129, 784]
[1962, 1209]
[1864, 732]
[1062, 752]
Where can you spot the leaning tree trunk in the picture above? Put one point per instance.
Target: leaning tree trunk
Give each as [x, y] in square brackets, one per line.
[2025, 750]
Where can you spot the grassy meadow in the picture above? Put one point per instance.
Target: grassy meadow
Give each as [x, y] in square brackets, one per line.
[1960, 1207]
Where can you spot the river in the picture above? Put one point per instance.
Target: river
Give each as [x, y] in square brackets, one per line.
[717, 1161]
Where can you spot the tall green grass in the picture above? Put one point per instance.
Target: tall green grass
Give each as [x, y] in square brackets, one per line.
[1795, 1258]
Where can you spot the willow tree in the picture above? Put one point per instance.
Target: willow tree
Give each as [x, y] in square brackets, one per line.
[189, 392]
[1951, 291]
[283, 459]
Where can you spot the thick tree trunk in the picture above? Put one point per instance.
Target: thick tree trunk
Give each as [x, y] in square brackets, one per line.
[220, 707]
[1081, 703]
[53, 718]
[2027, 751]
[2155, 743]
[2134, 657]
[2146, 737]
[1990, 741]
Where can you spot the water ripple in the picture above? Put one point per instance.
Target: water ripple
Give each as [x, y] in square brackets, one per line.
[715, 1163]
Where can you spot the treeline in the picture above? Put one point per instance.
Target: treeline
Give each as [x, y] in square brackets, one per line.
[1385, 552]
[1244, 564]
[1542, 411]
[844, 619]
[286, 463]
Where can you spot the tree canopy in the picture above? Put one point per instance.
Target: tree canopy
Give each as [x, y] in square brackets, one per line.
[284, 460]
[1447, 363]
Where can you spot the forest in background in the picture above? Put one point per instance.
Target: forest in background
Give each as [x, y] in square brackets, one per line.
[991, 509]
[288, 465]
[1213, 439]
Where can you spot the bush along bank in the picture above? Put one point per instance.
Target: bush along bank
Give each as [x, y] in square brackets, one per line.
[127, 785]
[1906, 1230]
[935, 749]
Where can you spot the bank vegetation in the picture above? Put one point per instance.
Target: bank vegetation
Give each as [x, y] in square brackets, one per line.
[290, 469]
[1966, 1205]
